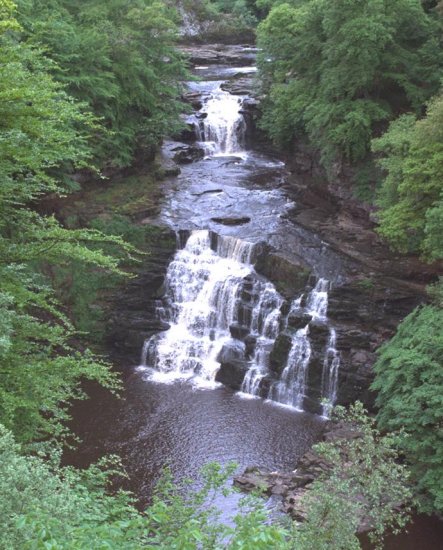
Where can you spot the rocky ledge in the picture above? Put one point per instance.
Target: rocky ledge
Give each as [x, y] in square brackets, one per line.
[292, 487]
[220, 54]
[134, 316]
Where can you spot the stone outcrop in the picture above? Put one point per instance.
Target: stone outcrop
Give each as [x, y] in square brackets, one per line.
[292, 487]
[134, 315]
[220, 54]
[288, 277]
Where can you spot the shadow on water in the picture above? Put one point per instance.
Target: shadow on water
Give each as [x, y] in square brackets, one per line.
[184, 428]
[424, 533]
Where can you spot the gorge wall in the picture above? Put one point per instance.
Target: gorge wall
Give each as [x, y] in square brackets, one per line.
[304, 302]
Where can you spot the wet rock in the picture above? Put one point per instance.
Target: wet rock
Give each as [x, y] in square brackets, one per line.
[238, 331]
[319, 331]
[232, 374]
[243, 86]
[134, 305]
[279, 354]
[250, 343]
[187, 154]
[232, 220]
[298, 319]
[232, 351]
[289, 278]
[219, 54]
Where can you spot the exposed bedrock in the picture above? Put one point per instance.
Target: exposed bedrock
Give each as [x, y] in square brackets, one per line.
[220, 54]
[134, 316]
[363, 312]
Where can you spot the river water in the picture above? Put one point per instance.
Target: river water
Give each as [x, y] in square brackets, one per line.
[174, 412]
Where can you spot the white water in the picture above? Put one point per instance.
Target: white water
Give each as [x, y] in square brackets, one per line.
[264, 328]
[204, 289]
[224, 127]
[329, 381]
[291, 389]
[213, 289]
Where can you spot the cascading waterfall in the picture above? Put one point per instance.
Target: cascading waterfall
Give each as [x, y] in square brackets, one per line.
[223, 128]
[329, 381]
[222, 312]
[264, 329]
[204, 288]
[291, 388]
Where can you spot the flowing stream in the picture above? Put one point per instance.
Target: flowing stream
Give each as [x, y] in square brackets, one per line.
[276, 355]
[225, 319]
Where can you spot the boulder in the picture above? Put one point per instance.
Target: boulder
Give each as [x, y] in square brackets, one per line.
[238, 332]
[186, 154]
[289, 278]
[232, 373]
[298, 319]
[279, 354]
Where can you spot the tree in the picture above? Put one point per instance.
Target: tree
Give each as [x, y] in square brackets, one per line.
[411, 193]
[118, 58]
[409, 382]
[365, 483]
[337, 71]
[42, 130]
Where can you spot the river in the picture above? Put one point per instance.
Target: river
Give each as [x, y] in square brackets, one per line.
[225, 318]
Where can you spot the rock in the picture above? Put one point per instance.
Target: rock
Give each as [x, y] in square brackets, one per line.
[293, 505]
[232, 220]
[279, 354]
[217, 54]
[238, 331]
[298, 319]
[186, 154]
[134, 304]
[289, 278]
[240, 85]
[252, 481]
[232, 373]
[233, 350]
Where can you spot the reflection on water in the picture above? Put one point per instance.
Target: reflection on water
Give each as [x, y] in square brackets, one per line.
[176, 425]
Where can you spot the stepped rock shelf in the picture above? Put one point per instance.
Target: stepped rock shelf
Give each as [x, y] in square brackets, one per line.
[238, 293]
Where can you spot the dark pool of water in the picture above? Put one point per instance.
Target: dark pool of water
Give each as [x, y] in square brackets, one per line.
[179, 426]
[423, 533]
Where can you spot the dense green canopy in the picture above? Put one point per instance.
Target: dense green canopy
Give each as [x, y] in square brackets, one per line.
[337, 71]
[410, 395]
[117, 57]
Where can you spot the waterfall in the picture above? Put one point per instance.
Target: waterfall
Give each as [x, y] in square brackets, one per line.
[222, 313]
[329, 381]
[291, 389]
[204, 289]
[223, 127]
[264, 329]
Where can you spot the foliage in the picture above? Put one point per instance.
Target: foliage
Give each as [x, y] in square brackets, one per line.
[412, 191]
[409, 381]
[338, 70]
[53, 507]
[84, 290]
[45, 506]
[245, 9]
[365, 483]
[118, 58]
[41, 130]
